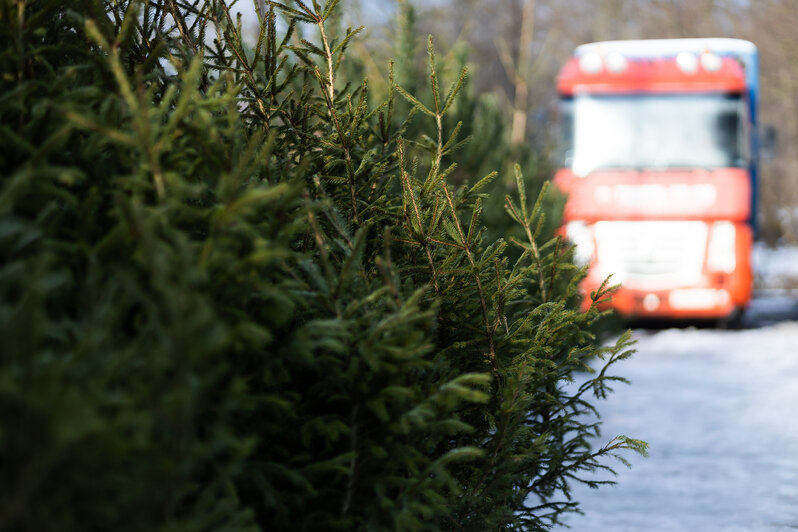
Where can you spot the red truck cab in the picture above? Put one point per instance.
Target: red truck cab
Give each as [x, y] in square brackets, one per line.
[659, 169]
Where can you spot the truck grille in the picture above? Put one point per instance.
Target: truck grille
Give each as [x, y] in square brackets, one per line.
[651, 254]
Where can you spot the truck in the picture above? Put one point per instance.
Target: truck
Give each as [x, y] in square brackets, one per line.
[659, 168]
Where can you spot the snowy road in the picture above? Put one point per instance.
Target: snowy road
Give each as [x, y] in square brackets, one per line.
[720, 412]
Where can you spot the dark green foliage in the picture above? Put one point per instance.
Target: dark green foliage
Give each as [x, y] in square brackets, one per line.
[230, 300]
[479, 118]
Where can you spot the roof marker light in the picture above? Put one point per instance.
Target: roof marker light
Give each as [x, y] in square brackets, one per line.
[687, 62]
[591, 63]
[711, 62]
[616, 62]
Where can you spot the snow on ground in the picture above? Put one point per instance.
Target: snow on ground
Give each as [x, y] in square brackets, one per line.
[719, 409]
[720, 412]
[775, 269]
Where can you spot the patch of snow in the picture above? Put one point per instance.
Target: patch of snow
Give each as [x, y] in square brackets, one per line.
[775, 269]
[718, 410]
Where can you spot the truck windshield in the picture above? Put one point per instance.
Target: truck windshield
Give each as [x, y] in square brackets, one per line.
[654, 131]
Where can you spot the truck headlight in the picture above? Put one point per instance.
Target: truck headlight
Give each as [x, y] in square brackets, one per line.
[722, 253]
[581, 237]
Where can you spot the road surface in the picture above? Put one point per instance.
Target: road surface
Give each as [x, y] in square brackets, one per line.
[719, 409]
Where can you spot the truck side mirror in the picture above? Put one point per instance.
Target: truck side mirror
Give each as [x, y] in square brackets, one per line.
[768, 140]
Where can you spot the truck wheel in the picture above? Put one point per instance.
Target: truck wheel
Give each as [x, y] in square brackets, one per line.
[733, 321]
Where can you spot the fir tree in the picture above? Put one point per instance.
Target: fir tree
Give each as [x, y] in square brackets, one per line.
[235, 294]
